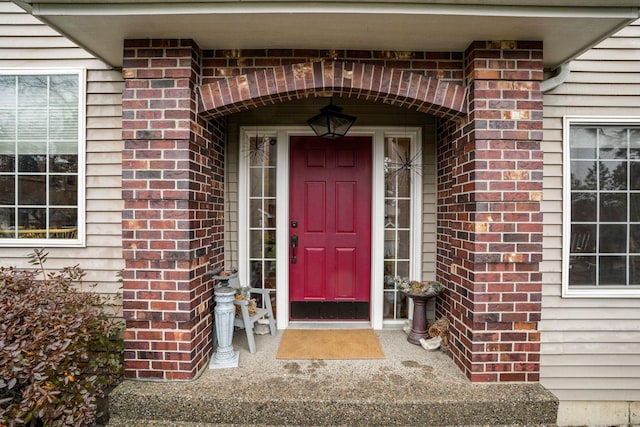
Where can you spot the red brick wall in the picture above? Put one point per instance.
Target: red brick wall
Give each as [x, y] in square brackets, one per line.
[173, 191]
[223, 63]
[489, 187]
[489, 219]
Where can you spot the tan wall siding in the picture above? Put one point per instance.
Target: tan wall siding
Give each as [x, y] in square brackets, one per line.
[590, 347]
[26, 43]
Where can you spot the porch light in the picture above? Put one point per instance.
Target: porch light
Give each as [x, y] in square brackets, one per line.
[331, 123]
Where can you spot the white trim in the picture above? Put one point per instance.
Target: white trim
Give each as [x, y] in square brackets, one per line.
[284, 133]
[316, 7]
[377, 230]
[282, 229]
[80, 241]
[566, 205]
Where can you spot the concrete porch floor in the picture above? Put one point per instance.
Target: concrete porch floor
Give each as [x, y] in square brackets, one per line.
[410, 387]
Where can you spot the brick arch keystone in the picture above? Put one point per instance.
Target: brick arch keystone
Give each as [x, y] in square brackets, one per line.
[331, 78]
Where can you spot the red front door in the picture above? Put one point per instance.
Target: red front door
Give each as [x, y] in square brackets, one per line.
[330, 228]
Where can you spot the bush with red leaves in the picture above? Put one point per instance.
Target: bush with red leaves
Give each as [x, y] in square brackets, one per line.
[59, 350]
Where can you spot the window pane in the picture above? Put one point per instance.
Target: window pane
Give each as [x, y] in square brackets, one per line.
[582, 270]
[32, 126]
[613, 175]
[403, 244]
[270, 185]
[389, 268]
[63, 190]
[272, 156]
[270, 214]
[634, 238]
[32, 91]
[634, 270]
[402, 268]
[635, 207]
[7, 223]
[583, 207]
[32, 163]
[32, 219]
[63, 218]
[634, 143]
[255, 175]
[613, 207]
[634, 175]
[613, 238]
[32, 190]
[390, 244]
[613, 143]
[7, 163]
[7, 190]
[390, 220]
[583, 142]
[613, 270]
[583, 238]
[7, 91]
[63, 163]
[270, 275]
[255, 213]
[63, 124]
[7, 130]
[255, 248]
[63, 91]
[404, 213]
[270, 244]
[255, 277]
[584, 175]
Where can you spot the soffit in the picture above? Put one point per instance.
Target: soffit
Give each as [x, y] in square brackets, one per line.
[565, 28]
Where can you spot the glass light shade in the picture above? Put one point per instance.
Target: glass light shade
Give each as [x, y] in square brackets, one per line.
[331, 123]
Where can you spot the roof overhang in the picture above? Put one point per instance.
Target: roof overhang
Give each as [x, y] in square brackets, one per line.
[567, 27]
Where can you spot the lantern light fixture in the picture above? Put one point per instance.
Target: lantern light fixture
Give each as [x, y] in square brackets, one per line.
[331, 123]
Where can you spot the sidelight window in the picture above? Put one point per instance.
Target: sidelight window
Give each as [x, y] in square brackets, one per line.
[400, 170]
[260, 154]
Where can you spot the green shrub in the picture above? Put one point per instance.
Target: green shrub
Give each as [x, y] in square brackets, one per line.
[59, 350]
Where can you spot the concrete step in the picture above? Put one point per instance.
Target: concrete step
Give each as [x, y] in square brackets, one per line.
[139, 404]
[409, 387]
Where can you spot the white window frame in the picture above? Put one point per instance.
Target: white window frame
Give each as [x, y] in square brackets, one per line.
[80, 240]
[596, 292]
[283, 135]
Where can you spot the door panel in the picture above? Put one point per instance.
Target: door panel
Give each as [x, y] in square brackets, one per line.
[330, 215]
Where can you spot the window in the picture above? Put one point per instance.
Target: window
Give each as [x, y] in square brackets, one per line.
[400, 170]
[602, 242]
[41, 162]
[261, 157]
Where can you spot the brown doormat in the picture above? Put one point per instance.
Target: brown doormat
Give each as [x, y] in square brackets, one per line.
[329, 344]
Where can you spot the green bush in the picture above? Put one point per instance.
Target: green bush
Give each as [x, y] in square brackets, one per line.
[59, 350]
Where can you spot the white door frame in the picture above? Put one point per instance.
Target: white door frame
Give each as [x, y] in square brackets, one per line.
[282, 135]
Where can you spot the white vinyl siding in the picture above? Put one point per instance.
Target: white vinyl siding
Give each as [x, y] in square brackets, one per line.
[26, 43]
[590, 346]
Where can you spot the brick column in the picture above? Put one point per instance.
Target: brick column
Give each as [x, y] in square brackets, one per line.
[489, 219]
[172, 189]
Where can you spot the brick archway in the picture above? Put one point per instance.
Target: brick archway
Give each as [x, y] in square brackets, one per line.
[332, 78]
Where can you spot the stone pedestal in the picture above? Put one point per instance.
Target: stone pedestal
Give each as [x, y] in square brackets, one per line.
[419, 325]
[225, 356]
